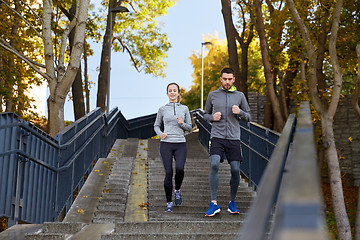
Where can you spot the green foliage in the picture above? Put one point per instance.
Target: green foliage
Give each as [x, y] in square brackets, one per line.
[17, 77]
[140, 33]
[215, 59]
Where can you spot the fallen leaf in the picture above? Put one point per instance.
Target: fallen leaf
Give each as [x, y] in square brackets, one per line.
[81, 211]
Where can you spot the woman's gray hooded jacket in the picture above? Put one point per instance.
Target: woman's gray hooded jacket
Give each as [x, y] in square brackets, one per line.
[167, 117]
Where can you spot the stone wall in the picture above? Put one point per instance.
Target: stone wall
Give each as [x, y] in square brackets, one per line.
[346, 131]
[257, 105]
[347, 137]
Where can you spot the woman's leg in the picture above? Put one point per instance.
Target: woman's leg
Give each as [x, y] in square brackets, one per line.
[180, 159]
[166, 157]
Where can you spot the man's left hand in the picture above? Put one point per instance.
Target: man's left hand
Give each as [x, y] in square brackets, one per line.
[235, 109]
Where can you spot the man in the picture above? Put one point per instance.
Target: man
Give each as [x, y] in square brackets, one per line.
[224, 108]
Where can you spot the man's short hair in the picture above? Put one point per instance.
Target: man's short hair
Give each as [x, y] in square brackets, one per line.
[227, 70]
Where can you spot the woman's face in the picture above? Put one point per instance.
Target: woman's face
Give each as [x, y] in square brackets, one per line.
[173, 93]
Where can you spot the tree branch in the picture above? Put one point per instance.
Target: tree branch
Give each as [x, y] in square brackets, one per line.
[32, 10]
[334, 59]
[128, 50]
[30, 62]
[19, 15]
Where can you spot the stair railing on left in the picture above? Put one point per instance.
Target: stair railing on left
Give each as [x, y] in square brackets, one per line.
[39, 174]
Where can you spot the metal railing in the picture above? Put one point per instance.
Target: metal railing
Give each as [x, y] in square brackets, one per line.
[39, 174]
[290, 188]
[257, 145]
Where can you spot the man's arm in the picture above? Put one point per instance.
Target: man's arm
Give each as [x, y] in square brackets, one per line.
[208, 116]
[244, 110]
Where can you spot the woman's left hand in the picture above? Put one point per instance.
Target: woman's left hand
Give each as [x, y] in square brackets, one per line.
[180, 121]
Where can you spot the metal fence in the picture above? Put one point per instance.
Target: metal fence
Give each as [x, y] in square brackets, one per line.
[257, 145]
[289, 191]
[39, 174]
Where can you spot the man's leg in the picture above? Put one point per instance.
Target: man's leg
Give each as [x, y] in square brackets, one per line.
[214, 182]
[235, 179]
[234, 185]
[214, 176]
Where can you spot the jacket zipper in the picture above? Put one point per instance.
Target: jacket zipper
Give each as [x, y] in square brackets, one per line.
[226, 115]
[174, 109]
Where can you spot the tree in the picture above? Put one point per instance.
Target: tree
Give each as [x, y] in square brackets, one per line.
[214, 60]
[15, 77]
[139, 34]
[269, 74]
[60, 65]
[77, 86]
[355, 105]
[242, 33]
[327, 113]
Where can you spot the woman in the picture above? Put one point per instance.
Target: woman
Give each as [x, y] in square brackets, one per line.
[175, 118]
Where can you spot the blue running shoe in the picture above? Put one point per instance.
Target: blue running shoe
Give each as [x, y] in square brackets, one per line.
[232, 208]
[178, 199]
[169, 207]
[213, 209]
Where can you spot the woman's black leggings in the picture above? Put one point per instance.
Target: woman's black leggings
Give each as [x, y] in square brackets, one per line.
[167, 151]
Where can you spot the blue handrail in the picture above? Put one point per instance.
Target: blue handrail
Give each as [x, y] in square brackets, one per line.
[39, 173]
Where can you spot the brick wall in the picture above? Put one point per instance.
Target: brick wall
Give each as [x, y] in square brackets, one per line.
[347, 138]
[257, 104]
[346, 131]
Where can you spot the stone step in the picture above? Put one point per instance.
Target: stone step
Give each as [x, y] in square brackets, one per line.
[178, 227]
[194, 216]
[170, 236]
[196, 208]
[203, 192]
[46, 236]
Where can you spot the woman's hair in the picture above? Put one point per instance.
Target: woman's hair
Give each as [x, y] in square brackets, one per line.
[178, 87]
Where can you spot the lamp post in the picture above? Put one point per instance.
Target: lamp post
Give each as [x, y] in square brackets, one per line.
[113, 10]
[202, 75]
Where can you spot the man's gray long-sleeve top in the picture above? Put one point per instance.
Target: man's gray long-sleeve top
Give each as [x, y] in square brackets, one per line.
[229, 125]
[168, 115]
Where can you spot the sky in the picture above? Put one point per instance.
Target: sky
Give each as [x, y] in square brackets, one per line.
[139, 94]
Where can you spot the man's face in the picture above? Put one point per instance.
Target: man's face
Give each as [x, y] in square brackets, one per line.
[227, 80]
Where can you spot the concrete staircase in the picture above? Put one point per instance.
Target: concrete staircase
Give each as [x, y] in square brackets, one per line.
[111, 211]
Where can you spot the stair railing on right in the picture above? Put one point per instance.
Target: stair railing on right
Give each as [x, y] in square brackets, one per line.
[289, 188]
[257, 145]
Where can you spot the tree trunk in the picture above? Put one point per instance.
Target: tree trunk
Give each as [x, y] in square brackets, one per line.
[1, 81]
[278, 121]
[60, 81]
[86, 79]
[231, 43]
[268, 113]
[244, 69]
[56, 114]
[357, 223]
[342, 220]
[78, 96]
[327, 114]
[77, 87]
[12, 77]
[355, 105]
[104, 63]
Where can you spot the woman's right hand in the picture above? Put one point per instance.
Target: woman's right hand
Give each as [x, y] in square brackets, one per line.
[163, 135]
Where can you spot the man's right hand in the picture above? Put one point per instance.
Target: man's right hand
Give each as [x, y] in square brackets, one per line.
[217, 116]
